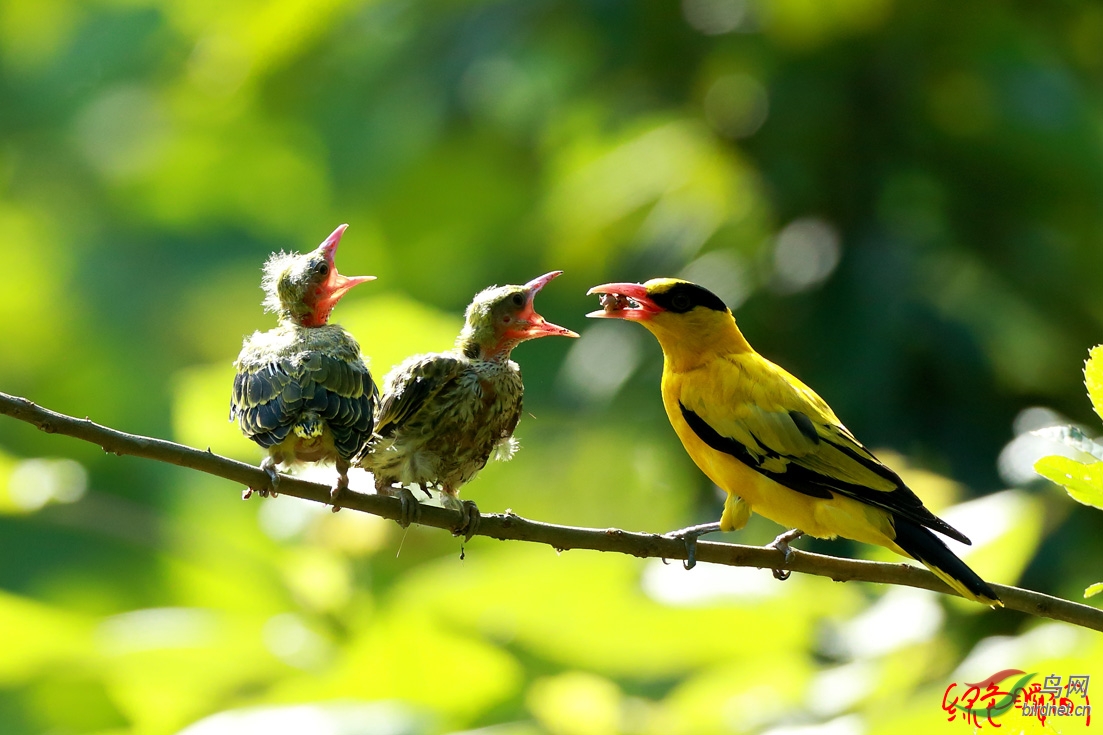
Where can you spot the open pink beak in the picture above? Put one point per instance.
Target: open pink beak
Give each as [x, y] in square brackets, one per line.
[336, 285]
[535, 325]
[624, 301]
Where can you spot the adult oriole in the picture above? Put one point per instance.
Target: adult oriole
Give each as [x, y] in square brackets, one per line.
[770, 442]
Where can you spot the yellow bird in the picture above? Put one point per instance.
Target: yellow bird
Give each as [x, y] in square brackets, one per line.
[770, 442]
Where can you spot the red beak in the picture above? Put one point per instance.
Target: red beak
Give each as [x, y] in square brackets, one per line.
[624, 301]
[336, 285]
[535, 325]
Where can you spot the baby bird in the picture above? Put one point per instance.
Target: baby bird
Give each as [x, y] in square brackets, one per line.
[302, 390]
[444, 414]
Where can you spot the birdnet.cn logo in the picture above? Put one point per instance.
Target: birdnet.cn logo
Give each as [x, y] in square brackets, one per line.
[1018, 694]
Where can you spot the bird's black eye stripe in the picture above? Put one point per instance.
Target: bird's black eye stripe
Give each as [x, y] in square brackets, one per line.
[683, 297]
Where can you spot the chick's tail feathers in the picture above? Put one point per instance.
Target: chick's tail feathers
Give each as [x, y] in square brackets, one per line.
[309, 426]
[921, 544]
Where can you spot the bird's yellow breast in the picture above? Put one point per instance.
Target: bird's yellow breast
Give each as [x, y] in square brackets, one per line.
[726, 381]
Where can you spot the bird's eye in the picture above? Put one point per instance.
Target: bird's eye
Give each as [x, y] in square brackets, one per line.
[323, 268]
[518, 300]
[680, 302]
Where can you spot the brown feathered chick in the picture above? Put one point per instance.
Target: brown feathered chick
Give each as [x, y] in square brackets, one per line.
[443, 415]
[302, 390]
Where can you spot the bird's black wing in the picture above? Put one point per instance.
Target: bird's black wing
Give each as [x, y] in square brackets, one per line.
[788, 448]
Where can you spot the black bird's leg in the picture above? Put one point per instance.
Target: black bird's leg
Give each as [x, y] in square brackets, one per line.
[781, 543]
[689, 536]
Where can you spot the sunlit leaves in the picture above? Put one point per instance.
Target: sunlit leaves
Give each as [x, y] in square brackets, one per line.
[1082, 480]
[1093, 378]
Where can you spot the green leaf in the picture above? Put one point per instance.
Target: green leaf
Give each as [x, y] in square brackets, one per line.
[1094, 589]
[1093, 378]
[1083, 482]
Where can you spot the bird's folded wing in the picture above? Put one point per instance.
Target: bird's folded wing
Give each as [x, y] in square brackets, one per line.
[270, 400]
[411, 387]
[779, 427]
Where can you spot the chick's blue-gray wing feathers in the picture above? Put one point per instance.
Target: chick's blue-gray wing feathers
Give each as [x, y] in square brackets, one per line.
[270, 401]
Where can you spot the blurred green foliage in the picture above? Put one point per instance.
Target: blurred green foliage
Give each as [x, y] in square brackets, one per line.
[901, 202]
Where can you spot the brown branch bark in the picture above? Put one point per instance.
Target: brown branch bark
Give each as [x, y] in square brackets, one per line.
[511, 527]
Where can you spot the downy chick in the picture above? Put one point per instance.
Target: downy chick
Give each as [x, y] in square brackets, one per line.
[302, 390]
[443, 415]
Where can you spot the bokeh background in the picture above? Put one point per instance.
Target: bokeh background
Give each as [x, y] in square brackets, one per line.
[902, 202]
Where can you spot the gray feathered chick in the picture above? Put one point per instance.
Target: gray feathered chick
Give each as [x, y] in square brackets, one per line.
[302, 390]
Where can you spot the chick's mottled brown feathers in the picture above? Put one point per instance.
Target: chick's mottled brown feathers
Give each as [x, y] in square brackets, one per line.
[442, 417]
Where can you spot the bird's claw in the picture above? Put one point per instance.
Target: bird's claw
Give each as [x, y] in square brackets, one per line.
[411, 508]
[689, 536]
[471, 520]
[335, 491]
[269, 467]
[781, 543]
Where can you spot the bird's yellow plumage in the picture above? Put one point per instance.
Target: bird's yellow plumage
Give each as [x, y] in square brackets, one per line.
[770, 442]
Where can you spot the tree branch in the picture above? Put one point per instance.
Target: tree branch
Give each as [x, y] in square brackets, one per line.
[511, 527]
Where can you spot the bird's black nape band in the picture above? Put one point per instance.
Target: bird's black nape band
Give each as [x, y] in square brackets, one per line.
[683, 297]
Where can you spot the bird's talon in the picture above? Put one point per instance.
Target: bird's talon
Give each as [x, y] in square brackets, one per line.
[781, 543]
[471, 520]
[689, 536]
[269, 467]
[411, 508]
[342, 484]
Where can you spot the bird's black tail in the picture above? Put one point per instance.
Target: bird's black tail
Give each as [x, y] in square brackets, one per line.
[920, 543]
